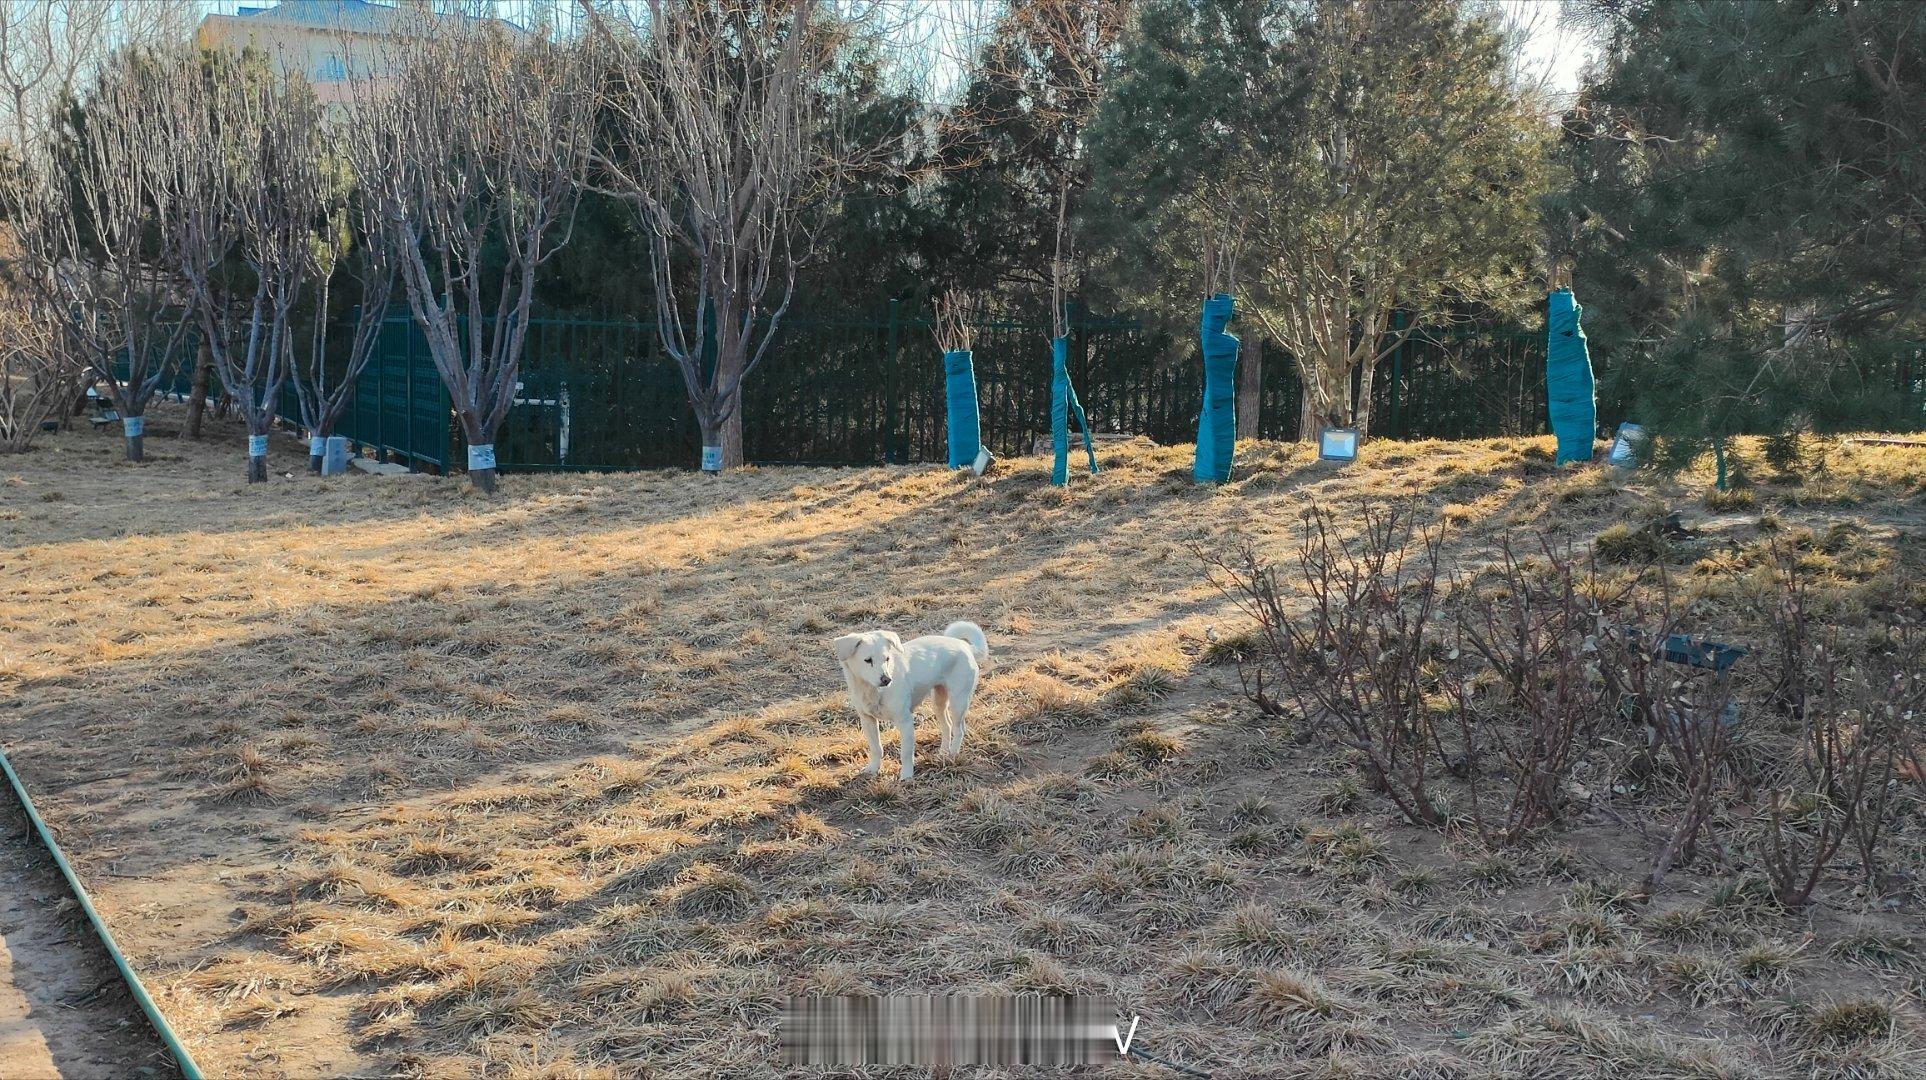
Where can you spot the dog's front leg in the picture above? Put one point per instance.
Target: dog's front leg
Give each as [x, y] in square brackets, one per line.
[906, 731]
[874, 734]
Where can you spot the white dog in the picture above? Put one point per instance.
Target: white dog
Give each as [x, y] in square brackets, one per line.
[888, 680]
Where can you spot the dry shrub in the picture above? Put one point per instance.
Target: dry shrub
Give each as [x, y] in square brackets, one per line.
[1357, 635]
[1854, 713]
[1537, 634]
[1356, 660]
[1689, 717]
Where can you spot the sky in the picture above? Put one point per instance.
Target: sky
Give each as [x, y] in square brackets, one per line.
[1554, 54]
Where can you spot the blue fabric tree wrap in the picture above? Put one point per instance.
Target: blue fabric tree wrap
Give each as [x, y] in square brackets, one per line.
[1217, 421]
[966, 431]
[1569, 394]
[1063, 403]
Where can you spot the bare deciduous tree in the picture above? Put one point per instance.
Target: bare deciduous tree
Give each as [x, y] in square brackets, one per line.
[473, 165]
[1412, 187]
[50, 49]
[957, 312]
[1080, 37]
[45, 50]
[724, 148]
[80, 205]
[37, 374]
[350, 242]
[237, 212]
[1371, 167]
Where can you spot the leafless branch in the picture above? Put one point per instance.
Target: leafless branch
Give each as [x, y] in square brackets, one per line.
[957, 314]
[472, 162]
[79, 205]
[237, 210]
[729, 154]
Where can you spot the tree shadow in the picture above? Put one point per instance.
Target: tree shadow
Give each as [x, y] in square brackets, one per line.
[466, 726]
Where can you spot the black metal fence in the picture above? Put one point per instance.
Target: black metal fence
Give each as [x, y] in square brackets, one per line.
[601, 394]
[855, 390]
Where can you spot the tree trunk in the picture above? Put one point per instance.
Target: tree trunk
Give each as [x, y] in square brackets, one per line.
[1250, 385]
[1333, 407]
[135, 450]
[730, 360]
[1307, 418]
[732, 436]
[1327, 397]
[481, 453]
[1337, 376]
[197, 400]
[257, 449]
[1361, 413]
[713, 453]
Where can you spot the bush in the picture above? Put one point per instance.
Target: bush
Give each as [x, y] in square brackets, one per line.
[1508, 680]
[1528, 727]
[1691, 722]
[1853, 713]
[1356, 663]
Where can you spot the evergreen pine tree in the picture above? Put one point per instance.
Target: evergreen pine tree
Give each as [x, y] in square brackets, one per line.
[1745, 208]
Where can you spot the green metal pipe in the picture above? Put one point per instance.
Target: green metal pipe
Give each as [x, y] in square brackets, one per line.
[189, 1070]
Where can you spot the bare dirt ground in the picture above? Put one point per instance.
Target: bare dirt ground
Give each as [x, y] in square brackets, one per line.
[64, 1012]
[375, 776]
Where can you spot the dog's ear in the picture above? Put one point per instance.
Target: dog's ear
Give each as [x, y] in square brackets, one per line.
[892, 642]
[845, 646]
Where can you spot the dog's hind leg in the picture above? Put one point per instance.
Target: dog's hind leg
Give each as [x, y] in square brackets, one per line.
[953, 730]
[940, 704]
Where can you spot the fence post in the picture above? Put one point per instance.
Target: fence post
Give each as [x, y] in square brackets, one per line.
[378, 436]
[1397, 374]
[408, 403]
[889, 385]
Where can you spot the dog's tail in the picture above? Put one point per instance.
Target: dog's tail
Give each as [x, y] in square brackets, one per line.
[972, 633]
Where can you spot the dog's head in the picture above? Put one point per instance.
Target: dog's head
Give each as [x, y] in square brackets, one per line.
[876, 658]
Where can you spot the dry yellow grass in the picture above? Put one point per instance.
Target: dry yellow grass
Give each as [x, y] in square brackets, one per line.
[379, 776]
